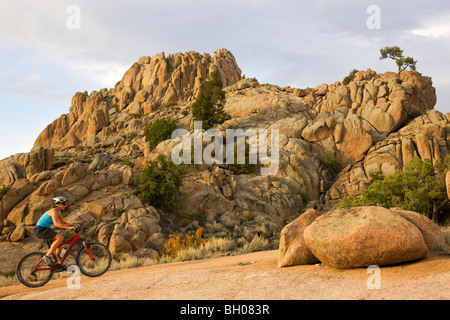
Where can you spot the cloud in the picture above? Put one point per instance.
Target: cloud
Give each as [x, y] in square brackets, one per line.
[29, 86]
[106, 74]
[435, 27]
[438, 31]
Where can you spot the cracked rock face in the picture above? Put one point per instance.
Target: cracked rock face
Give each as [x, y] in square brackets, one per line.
[424, 136]
[150, 83]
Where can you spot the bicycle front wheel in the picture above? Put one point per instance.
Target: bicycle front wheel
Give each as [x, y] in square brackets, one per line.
[32, 271]
[94, 259]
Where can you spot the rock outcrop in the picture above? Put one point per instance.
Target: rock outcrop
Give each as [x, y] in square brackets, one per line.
[149, 84]
[25, 165]
[425, 136]
[91, 154]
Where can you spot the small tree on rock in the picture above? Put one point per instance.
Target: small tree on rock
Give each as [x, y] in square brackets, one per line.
[396, 54]
[208, 107]
[350, 77]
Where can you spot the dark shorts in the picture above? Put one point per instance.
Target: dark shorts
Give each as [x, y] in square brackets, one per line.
[45, 233]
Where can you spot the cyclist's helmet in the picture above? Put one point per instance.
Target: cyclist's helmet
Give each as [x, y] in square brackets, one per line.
[59, 200]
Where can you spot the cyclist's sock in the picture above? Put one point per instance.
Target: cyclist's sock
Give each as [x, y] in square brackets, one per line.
[48, 259]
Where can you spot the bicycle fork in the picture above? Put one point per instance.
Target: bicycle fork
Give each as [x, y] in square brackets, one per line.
[88, 251]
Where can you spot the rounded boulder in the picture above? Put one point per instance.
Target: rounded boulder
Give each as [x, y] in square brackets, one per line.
[364, 236]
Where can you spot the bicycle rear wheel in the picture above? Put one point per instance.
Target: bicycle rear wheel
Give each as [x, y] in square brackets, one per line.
[95, 260]
[33, 271]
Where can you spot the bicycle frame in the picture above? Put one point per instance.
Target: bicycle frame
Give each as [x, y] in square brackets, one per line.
[74, 239]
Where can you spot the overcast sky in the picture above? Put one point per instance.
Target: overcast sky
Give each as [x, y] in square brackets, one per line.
[47, 53]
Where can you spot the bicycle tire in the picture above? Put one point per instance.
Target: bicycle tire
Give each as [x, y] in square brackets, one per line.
[100, 265]
[25, 268]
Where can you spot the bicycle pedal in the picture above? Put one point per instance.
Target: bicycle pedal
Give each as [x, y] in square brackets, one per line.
[60, 268]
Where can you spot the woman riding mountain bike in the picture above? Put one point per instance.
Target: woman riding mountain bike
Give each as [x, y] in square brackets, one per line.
[43, 228]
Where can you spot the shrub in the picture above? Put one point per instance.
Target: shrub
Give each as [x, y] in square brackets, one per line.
[249, 216]
[128, 162]
[350, 77]
[208, 107]
[331, 165]
[419, 187]
[159, 183]
[158, 131]
[304, 196]
[176, 244]
[244, 168]
[3, 191]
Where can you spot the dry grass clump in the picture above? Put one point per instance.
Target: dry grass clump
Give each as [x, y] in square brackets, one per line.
[127, 261]
[446, 233]
[209, 248]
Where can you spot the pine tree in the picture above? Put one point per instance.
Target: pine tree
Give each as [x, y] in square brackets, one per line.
[396, 54]
[208, 107]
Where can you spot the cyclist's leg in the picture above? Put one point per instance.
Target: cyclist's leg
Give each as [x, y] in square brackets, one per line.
[56, 241]
[49, 235]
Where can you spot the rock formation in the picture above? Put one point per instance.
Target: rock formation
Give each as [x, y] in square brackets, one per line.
[149, 84]
[91, 154]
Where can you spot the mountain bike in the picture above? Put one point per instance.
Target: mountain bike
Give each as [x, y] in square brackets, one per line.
[93, 259]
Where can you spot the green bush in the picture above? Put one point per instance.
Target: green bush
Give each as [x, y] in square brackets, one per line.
[331, 165]
[3, 191]
[159, 130]
[304, 197]
[159, 183]
[128, 162]
[244, 168]
[350, 77]
[419, 187]
[208, 107]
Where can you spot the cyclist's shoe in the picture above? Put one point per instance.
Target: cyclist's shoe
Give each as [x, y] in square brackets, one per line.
[49, 261]
[60, 267]
[32, 276]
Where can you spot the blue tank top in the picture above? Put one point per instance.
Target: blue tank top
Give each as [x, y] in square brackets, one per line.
[45, 221]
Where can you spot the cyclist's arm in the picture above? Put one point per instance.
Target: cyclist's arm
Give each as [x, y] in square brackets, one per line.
[58, 221]
[65, 223]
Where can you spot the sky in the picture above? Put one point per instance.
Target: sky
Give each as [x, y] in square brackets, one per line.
[49, 50]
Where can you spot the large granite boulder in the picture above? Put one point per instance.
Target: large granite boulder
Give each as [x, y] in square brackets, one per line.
[363, 236]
